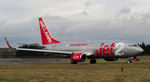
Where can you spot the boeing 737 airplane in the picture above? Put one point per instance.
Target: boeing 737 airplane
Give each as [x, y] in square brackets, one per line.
[80, 52]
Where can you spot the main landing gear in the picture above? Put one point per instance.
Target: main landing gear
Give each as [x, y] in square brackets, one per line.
[133, 59]
[93, 60]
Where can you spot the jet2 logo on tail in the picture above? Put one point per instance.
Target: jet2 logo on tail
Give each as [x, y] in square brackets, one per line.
[43, 26]
[105, 49]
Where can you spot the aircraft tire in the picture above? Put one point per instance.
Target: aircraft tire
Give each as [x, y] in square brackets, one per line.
[129, 61]
[92, 61]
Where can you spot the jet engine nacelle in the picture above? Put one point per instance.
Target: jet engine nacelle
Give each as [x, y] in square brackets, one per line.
[110, 59]
[78, 57]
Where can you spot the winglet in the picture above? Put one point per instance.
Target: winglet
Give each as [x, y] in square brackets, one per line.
[45, 35]
[9, 46]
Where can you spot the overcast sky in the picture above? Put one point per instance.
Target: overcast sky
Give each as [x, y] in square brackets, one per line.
[75, 20]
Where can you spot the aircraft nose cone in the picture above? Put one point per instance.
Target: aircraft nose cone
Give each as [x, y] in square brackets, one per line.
[140, 50]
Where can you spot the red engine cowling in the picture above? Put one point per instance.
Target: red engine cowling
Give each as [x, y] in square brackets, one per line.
[78, 57]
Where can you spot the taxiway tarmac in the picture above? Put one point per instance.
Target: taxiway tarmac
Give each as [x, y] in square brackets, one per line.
[19, 61]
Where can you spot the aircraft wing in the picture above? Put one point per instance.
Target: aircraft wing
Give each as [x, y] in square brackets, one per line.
[46, 51]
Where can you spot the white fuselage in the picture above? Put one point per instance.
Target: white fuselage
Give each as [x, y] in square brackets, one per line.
[99, 49]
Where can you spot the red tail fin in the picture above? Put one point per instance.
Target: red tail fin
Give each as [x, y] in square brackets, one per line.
[45, 35]
[9, 46]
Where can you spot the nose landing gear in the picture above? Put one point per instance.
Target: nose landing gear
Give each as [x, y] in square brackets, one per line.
[133, 59]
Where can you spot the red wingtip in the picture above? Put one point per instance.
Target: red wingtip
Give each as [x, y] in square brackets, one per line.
[45, 35]
[9, 46]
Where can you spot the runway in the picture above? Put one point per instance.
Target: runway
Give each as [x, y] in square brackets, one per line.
[20, 61]
[26, 61]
